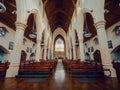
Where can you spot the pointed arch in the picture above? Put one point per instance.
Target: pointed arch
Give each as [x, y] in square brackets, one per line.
[61, 43]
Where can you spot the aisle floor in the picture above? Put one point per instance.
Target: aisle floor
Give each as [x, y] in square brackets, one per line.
[60, 80]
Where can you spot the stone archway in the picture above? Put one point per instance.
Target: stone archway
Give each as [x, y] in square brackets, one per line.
[59, 32]
[59, 47]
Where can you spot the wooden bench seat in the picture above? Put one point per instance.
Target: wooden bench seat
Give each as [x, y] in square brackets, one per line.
[40, 69]
[76, 68]
[3, 68]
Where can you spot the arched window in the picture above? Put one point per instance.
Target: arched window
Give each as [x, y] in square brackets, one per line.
[59, 45]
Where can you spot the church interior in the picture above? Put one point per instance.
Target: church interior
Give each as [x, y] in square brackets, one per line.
[60, 44]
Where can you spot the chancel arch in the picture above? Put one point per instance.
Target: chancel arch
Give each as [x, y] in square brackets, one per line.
[58, 32]
[59, 47]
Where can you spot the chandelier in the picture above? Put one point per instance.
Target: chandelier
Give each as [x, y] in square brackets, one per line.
[87, 33]
[33, 33]
[2, 7]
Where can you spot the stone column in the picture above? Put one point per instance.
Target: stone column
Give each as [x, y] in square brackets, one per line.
[38, 50]
[105, 53]
[39, 36]
[48, 53]
[16, 53]
[45, 52]
[70, 53]
[49, 48]
[66, 43]
[73, 44]
[45, 47]
[81, 47]
[52, 49]
[74, 49]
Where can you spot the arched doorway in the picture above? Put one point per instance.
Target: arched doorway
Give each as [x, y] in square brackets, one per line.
[97, 56]
[59, 47]
[23, 56]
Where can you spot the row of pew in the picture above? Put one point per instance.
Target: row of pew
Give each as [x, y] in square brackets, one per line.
[32, 68]
[86, 69]
[3, 68]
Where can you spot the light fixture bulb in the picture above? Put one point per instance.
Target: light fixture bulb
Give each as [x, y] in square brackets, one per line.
[32, 35]
[87, 35]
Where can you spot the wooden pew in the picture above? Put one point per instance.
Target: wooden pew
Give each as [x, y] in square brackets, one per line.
[83, 69]
[87, 70]
[3, 68]
[36, 69]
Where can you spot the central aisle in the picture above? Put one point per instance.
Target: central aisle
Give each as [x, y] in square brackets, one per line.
[60, 80]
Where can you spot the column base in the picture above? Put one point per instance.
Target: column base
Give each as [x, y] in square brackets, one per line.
[108, 69]
[12, 71]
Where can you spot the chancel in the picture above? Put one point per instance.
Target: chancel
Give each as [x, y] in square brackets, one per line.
[59, 44]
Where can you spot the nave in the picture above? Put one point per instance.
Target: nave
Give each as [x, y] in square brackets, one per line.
[35, 34]
[60, 80]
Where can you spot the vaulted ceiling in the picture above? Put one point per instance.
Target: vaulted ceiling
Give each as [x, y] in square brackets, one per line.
[8, 17]
[59, 14]
[113, 14]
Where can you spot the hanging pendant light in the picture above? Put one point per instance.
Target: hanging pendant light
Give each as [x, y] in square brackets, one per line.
[33, 33]
[2, 7]
[87, 33]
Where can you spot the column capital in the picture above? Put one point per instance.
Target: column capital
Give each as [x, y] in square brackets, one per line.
[20, 25]
[100, 24]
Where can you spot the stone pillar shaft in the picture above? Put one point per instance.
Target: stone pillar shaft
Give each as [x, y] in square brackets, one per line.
[74, 50]
[105, 53]
[45, 52]
[70, 53]
[16, 53]
[81, 47]
[39, 36]
[38, 50]
[67, 50]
